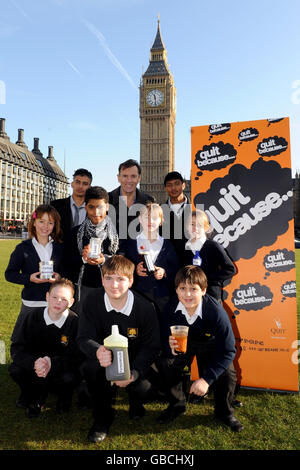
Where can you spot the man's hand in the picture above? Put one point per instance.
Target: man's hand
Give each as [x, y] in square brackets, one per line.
[199, 387]
[104, 356]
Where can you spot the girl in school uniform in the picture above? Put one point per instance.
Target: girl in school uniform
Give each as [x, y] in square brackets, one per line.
[156, 285]
[44, 244]
[207, 254]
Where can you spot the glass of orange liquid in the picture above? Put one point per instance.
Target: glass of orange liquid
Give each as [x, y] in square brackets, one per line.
[180, 333]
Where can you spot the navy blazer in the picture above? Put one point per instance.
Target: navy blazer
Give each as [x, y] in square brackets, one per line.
[166, 259]
[24, 261]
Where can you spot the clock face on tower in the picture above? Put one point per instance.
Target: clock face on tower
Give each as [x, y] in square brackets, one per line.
[155, 97]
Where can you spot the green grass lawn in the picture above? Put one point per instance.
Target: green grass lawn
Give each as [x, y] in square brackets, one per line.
[271, 420]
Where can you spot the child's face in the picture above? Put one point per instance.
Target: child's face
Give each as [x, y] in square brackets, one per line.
[150, 220]
[59, 299]
[116, 285]
[190, 295]
[195, 227]
[44, 225]
[96, 210]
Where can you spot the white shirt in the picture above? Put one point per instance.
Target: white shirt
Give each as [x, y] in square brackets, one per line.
[44, 253]
[196, 245]
[152, 248]
[81, 212]
[126, 310]
[59, 323]
[178, 207]
[193, 318]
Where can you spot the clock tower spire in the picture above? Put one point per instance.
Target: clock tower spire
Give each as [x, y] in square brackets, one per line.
[157, 121]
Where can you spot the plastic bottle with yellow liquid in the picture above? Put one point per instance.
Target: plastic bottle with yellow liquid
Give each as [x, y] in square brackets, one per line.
[118, 345]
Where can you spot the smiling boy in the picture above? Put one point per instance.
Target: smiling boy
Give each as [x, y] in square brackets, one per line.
[45, 354]
[116, 304]
[78, 265]
[210, 339]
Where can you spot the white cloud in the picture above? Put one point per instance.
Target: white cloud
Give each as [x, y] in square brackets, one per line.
[109, 53]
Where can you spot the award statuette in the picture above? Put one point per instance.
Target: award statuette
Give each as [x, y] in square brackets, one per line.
[46, 269]
[147, 260]
[95, 248]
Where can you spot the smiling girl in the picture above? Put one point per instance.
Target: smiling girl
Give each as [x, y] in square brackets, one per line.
[44, 244]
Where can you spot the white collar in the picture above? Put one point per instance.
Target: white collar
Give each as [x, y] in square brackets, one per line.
[59, 323]
[143, 237]
[126, 310]
[193, 318]
[37, 243]
[197, 245]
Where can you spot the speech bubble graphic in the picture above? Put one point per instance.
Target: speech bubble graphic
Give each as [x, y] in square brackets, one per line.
[218, 129]
[273, 121]
[279, 260]
[215, 156]
[272, 146]
[288, 289]
[246, 135]
[250, 205]
[252, 297]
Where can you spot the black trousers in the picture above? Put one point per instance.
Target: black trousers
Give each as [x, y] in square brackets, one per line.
[34, 388]
[102, 392]
[171, 373]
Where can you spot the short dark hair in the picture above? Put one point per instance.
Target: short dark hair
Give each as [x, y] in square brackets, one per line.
[128, 164]
[96, 192]
[191, 275]
[173, 175]
[64, 283]
[83, 172]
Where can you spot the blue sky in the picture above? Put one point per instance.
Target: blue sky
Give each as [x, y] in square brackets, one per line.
[70, 72]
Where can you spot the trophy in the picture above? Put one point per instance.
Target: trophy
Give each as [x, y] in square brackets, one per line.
[46, 269]
[95, 248]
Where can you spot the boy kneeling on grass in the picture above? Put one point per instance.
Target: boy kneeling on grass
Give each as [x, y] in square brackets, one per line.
[45, 355]
[116, 304]
[210, 339]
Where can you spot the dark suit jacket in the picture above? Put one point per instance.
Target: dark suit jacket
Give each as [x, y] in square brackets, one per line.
[63, 207]
[123, 215]
[24, 261]
[173, 229]
[216, 264]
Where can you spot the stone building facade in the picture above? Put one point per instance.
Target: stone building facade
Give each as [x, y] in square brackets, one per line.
[27, 179]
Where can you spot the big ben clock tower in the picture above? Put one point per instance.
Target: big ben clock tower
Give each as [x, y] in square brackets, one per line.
[157, 115]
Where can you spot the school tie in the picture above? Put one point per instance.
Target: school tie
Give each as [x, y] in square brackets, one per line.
[76, 216]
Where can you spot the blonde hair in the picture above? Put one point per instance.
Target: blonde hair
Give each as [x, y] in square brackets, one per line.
[203, 218]
[151, 206]
[118, 264]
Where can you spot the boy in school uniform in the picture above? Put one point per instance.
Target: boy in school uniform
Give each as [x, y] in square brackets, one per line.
[45, 356]
[210, 339]
[115, 304]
